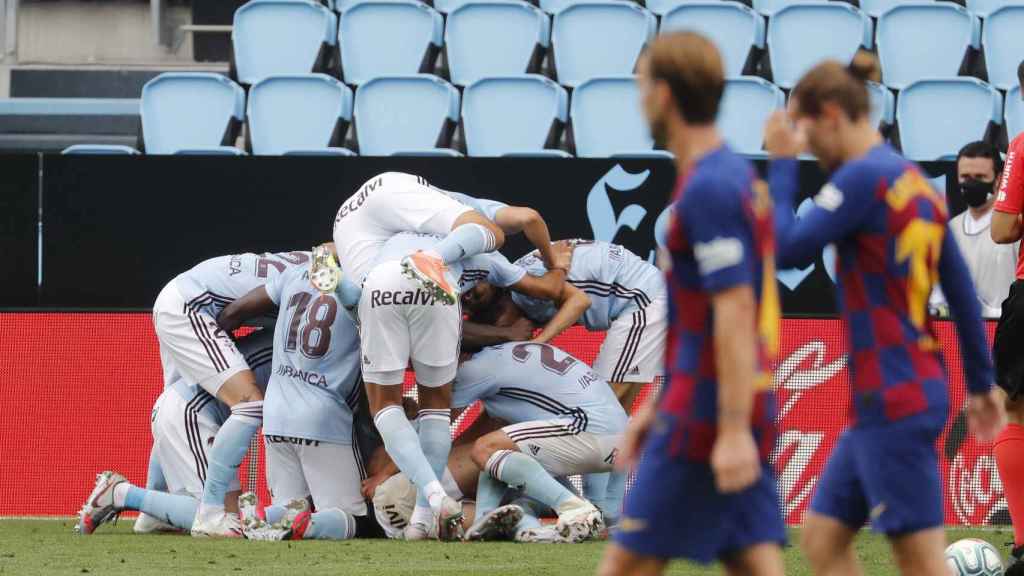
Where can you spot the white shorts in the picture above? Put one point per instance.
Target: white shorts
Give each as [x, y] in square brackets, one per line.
[192, 346]
[401, 322]
[561, 450]
[183, 432]
[634, 346]
[388, 204]
[332, 474]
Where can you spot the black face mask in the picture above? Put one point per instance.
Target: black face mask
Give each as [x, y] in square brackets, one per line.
[975, 192]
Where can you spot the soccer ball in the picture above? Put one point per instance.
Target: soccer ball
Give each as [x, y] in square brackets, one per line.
[973, 557]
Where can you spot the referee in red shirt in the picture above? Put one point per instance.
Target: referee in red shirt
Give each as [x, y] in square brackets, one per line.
[1008, 349]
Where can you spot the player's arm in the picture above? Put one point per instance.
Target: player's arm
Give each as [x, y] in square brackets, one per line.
[572, 304]
[551, 284]
[984, 410]
[1006, 214]
[516, 219]
[254, 304]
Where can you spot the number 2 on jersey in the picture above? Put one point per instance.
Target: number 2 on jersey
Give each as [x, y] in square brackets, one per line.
[319, 316]
[521, 352]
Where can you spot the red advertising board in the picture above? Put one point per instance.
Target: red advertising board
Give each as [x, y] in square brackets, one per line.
[76, 391]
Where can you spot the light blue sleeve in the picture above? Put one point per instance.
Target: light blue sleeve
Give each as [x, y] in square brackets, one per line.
[275, 287]
[484, 206]
[501, 272]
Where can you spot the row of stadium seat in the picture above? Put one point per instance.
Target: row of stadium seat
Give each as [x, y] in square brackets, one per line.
[593, 38]
[520, 115]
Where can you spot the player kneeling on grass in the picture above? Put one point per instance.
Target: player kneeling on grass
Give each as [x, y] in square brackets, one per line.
[185, 422]
[308, 411]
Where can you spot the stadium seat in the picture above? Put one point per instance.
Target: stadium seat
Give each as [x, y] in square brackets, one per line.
[1003, 39]
[599, 38]
[484, 39]
[733, 27]
[387, 38]
[801, 35]
[1014, 112]
[883, 104]
[875, 8]
[100, 150]
[983, 8]
[924, 40]
[746, 104]
[770, 7]
[607, 121]
[514, 114]
[937, 117]
[193, 111]
[405, 114]
[282, 37]
[298, 114]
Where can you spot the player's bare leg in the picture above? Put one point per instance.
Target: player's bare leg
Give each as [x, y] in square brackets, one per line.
[828, 546]
[758, 560]
[920, 553]
[627, 392]
[618, 561]
[241, 393]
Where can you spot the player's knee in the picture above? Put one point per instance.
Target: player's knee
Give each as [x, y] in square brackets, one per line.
[816, 548]
[482, 450]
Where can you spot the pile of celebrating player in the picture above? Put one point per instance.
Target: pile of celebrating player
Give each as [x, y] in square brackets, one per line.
[413, 279]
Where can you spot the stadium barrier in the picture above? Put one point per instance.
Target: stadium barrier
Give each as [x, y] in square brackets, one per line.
[78, 389]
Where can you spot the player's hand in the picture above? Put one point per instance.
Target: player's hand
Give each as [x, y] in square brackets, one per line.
[561, 253]
[781, 138]
[735, 461]
[371, 483]
[986, 416]
[633, 439]
[521, 330]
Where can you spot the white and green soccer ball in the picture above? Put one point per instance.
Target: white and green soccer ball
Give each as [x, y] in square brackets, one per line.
[973, 557]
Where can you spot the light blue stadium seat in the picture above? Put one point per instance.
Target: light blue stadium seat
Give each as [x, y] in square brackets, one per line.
[937, 117]
[1003, 39]
[883, 104]
[770, 7]
[983, 8]
[1014, 112]
[282, 37]
[100, 150]
[387, 38]
[495, 38]
[513, 114]
[746, 104]
[599, 38]
[191, 110]
[801, 35]
[607, 121]
[221, 151]
[733, 27]
[411, 113]
[306, 113]
[924, 40]
[876, 8]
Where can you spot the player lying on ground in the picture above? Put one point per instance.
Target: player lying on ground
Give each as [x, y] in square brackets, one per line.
[308, 415]
[704, 488]
[889, 228]
[193, 347]
[185, 421]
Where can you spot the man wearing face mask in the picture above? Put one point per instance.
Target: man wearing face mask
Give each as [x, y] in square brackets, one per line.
[992, 266]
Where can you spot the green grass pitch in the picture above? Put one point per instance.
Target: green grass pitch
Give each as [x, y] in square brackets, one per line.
[30, 547]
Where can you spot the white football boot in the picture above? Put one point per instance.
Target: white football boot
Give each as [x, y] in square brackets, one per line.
[579, 520]
[146, 524]
[99, 507]
[215, 522]
[547, 534]
[498, 524]
[449, 521]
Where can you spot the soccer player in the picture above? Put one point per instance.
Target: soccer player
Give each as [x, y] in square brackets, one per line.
[889, 228]
[704, 489]
[563, 419]
[185, 419]
[193, 347]
[628, 301]
[394, 202]
[308, 410]
[1006, 350]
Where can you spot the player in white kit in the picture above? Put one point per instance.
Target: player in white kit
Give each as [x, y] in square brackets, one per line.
[193, 347]
[185, 420]
[564, 419]
[308, 412]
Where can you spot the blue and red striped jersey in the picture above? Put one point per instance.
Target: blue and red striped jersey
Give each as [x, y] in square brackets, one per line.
[889, 227]
[720, 237]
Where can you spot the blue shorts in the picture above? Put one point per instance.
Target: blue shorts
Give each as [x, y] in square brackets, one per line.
[887, 474]
[675, 511]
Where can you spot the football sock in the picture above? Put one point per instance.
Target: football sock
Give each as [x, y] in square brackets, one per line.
[488, 494]
[595, 488]
[403, 445]
[613, 497]
[273, 514]
[175, 509]
[330, 524]
[436, 442]
[155, 474]
[229, 447]
[465, 241]
[518, 469]
[1008, 448]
